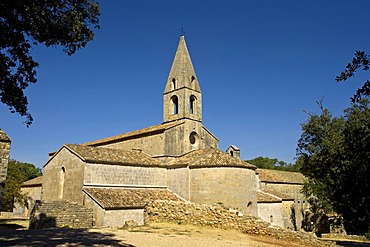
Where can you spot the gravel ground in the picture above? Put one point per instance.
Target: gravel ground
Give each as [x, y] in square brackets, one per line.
[166, 234]
[15, 233]
[158, 234]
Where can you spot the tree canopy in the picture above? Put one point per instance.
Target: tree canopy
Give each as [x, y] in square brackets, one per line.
[360, 61]
[334, 154]
[18, 172]
[274, 164]
[25, 23]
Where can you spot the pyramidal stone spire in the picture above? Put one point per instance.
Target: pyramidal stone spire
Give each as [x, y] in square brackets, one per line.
[182, 97]
[182, 69]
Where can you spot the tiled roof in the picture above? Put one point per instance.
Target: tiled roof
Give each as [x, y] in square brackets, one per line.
[114, 198]
[209, 158]
[276, 176]
[266, 197]
[284, 196]
[33, 182]
[235, 147]
[133, 134]
[112, 156]
[4, 137]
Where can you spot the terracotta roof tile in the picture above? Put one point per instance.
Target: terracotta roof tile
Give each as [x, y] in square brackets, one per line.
[276, 176]
[284, 196]
[266, 197]
[112, 156]
[114, 198]
[133, 134]
[33, 182]
[209, 158]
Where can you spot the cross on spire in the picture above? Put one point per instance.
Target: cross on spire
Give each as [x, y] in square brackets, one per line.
[182, 32]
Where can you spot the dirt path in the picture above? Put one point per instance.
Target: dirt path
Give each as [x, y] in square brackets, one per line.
[155, 235]
[15, 233]
[168, 234]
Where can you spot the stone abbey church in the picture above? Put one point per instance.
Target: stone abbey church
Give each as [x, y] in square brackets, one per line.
[178, 160]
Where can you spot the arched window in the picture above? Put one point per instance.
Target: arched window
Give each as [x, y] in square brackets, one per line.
[175, 104]
[192, 80]
[61, 182]
[192, 104]
[173, 83]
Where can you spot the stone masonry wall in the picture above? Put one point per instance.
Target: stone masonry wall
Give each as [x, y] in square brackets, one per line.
[178, 181]
[33, 194]
[119, 217]
[60, 214]
[221, 217]
[271, 212]
[151, 144]
[177, 139]
[234, 187]
[113, 217]
[4, 158]
[63, 178]
[102, 174]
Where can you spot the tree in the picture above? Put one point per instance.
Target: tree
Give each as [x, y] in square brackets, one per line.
[334, 154]
[29, 170]
[26, 23]
[18, 172]
[360, 61]
[274, 164]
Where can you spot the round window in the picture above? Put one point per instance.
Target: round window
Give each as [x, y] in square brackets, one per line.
[193, 138]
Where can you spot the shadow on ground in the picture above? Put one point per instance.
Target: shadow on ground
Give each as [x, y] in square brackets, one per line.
[12, 226]
[57, 236]
[351, 243]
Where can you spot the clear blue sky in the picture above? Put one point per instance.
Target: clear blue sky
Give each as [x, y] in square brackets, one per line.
[259, 64]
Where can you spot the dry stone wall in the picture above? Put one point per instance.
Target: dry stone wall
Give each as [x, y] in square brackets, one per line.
[60, 214]
[220, 217]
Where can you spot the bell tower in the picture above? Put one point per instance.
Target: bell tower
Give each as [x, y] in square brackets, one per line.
[182, 98]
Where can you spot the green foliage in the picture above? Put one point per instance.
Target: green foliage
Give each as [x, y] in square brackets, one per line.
[18, 172]
[334, 154]
[360, 61]
[274, 164]
[29, 170]
[24, 23]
